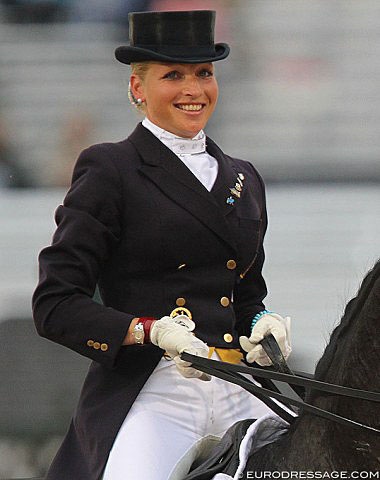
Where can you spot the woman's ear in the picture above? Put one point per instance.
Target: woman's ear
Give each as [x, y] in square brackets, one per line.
[137, 87]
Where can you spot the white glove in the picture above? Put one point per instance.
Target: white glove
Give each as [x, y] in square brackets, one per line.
[269, 323]
[174, 336]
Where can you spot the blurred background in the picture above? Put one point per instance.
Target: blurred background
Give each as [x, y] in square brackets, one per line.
[299, 99]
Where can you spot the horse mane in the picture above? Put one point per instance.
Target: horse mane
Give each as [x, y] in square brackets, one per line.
[351, 314]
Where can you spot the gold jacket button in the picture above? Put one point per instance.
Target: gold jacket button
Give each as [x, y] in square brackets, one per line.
[231, 264]
[90, 343]
[228, 337]
[103, 347]
[96, 345]
[224, 301]
[180, 302]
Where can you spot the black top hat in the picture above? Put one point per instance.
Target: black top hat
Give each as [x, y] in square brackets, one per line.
[174, 37]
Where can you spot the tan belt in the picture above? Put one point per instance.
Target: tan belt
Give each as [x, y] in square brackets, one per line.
[228, 355]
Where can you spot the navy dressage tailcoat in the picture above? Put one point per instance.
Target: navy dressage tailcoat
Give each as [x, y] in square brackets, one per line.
[137, 223]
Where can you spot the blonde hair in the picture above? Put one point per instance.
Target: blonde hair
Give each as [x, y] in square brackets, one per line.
[140, 69]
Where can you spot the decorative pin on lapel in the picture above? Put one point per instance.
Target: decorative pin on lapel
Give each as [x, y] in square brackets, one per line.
[236, 190]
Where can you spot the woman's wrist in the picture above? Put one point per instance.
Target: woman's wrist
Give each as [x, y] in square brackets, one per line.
[129, 339]
[147, 323]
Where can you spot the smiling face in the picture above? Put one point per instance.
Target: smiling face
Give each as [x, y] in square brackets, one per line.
[179, 98]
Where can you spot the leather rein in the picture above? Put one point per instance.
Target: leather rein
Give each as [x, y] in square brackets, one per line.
[232, 373]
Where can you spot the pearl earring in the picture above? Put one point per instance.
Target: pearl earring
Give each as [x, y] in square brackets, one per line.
[136, 102]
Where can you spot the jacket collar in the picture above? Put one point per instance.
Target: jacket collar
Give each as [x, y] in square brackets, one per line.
[172, 177]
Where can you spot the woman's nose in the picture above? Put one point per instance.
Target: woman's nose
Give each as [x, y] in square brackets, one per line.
[192, 87]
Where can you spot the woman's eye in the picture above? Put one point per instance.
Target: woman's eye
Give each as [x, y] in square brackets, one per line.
[206, 73]
[172, 75]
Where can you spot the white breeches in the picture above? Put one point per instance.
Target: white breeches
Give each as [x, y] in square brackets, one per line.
[169, 415]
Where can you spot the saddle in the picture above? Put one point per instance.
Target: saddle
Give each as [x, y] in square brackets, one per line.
[213, 455]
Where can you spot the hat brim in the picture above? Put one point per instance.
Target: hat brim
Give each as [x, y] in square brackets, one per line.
[128, 55]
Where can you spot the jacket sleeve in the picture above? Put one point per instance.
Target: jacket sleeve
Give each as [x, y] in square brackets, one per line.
[251, 289]
[88, 229]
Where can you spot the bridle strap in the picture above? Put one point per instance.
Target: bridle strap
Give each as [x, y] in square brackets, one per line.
[293, 379]
[273, 351]
[231, 373]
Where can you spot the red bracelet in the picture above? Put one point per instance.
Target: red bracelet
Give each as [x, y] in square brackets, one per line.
[147, 323]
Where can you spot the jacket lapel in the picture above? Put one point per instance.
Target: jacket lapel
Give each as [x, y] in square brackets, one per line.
[173, 178]
[226, 179]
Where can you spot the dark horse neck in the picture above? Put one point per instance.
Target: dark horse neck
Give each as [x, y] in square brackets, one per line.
[352, 359]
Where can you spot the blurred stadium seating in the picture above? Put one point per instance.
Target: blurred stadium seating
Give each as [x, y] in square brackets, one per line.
[299, 91]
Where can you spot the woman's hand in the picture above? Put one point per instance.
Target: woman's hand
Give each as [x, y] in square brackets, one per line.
[272, 323]
[174, 336]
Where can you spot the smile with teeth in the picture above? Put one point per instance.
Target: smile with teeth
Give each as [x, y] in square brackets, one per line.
[190, 107]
